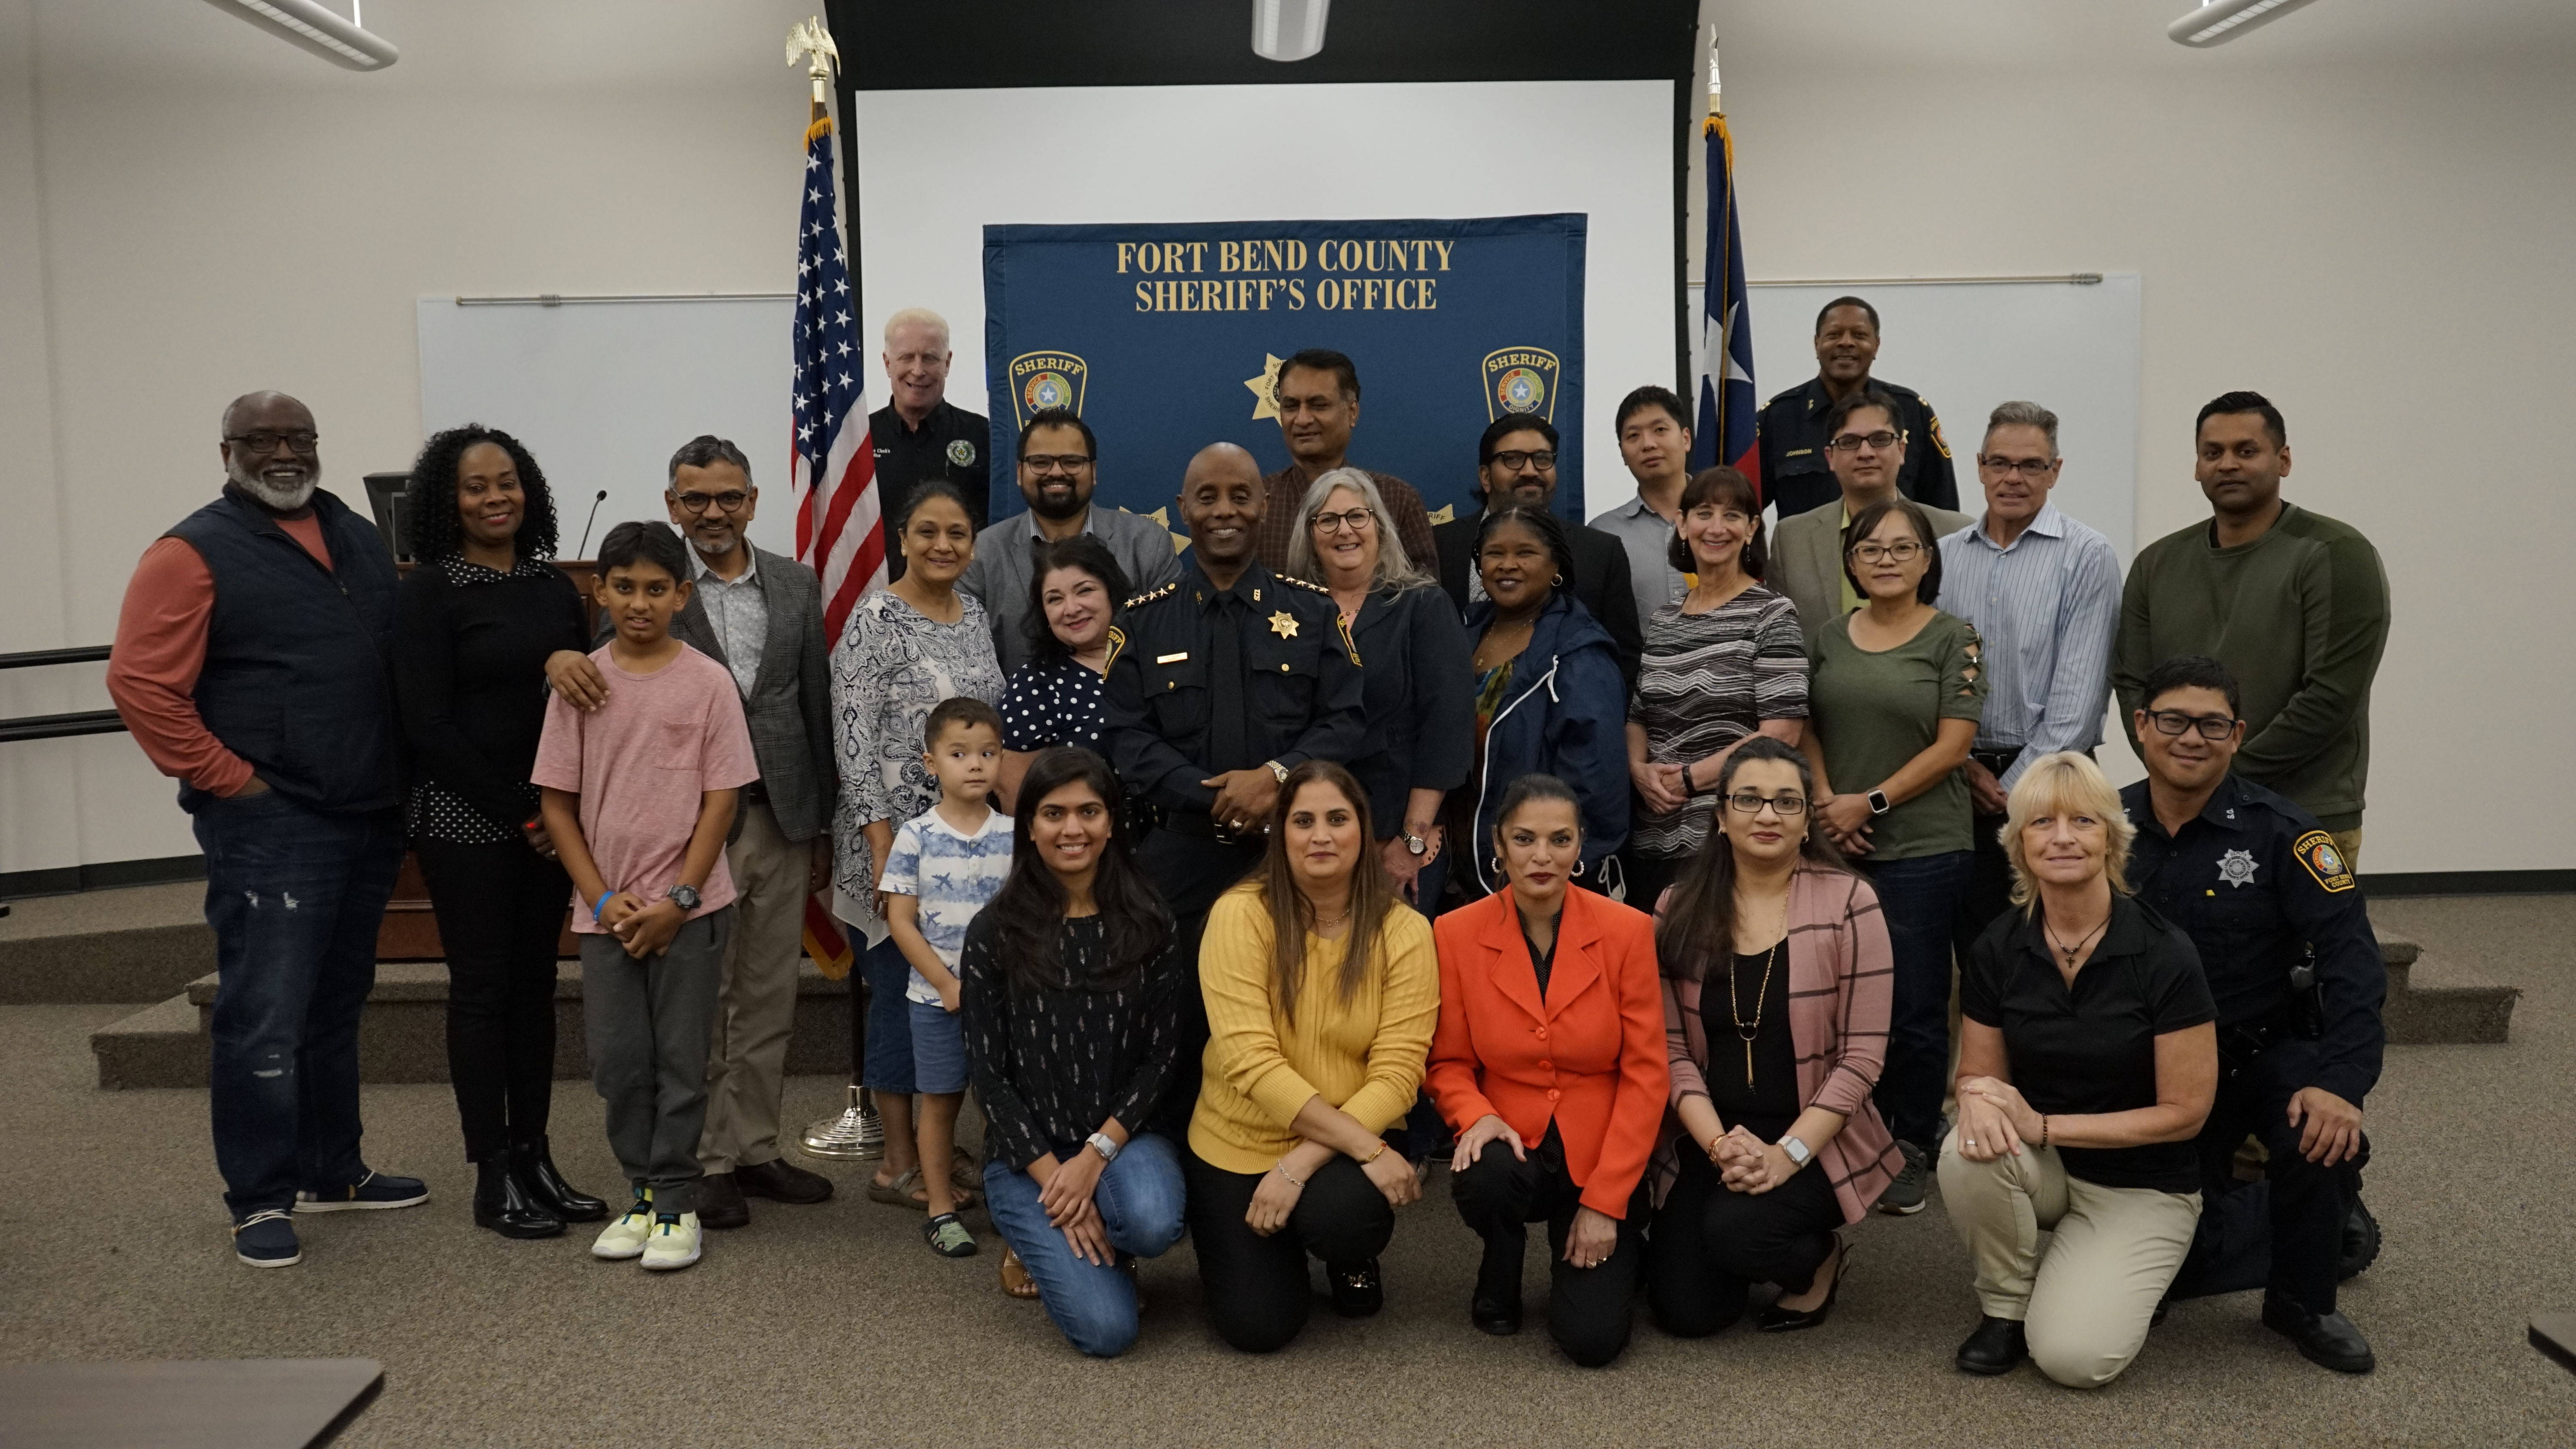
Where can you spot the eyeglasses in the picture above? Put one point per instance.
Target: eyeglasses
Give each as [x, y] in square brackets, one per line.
[1904, 550]
[1514, 460]
[729, 501]
[1882, 440]
[1745, 802]
[2026, 467]
[1045, 463]
[2174, 722]
[1357, 521]
[265, 441]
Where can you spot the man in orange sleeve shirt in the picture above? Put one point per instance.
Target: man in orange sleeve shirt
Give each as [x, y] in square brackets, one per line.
[250, 664]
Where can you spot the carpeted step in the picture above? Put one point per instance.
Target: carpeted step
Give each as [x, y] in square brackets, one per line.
[136, 944]
[403, 1036]
[2434, 1001]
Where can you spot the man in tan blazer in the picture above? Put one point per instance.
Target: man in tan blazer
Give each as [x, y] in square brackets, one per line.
[1865, 446]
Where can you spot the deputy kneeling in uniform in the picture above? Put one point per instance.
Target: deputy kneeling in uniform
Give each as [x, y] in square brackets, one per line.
[2296, 974]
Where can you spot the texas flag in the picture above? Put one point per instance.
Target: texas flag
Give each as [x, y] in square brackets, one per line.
[1727, 409]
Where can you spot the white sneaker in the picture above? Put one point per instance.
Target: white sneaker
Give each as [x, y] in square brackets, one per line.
[624, 1238]
[674, 1243]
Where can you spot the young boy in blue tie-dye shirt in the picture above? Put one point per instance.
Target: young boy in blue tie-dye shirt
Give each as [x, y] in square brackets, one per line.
[946, 863]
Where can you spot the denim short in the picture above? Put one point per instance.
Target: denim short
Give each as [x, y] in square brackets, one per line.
[938, 1048]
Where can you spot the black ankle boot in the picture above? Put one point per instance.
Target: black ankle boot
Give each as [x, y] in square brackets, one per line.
[535, 1166]
[1496, 1308]
[503, 1204]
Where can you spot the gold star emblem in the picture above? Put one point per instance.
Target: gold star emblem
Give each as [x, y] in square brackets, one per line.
[1282, 625]
[1266, 388]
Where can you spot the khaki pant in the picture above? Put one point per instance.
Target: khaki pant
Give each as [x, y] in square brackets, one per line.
[2348, 845]
[2085, 1302]
[756, 1001]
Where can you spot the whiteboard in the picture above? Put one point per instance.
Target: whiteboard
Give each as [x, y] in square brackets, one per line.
[1967, 346]
[603, 393]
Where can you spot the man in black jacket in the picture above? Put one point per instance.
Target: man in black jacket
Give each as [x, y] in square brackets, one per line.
[1516, 463]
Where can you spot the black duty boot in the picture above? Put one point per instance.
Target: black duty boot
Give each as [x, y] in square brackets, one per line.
[503, 1203]
[1496, 1308]
[535, 1167]
[1996, 1346]
[2327, 1340]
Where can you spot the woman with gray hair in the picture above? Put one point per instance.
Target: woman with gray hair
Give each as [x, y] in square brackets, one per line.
[1413, 657]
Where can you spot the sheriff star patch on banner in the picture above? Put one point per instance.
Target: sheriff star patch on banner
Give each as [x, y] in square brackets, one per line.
[2316, 850]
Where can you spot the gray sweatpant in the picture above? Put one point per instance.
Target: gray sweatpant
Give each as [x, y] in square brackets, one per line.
[648, 1022]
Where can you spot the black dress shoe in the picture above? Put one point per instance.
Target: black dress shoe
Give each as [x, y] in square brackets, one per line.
[1496, 1307]
[720, 1203]
[1996, 1346]
[1357, 1291]
[2326, 1339]
[535, 1166]
[782, 1181]
[503, 1204]
[1776, 1319]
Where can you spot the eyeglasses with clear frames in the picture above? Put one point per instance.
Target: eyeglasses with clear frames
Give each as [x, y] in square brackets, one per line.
[2174, 722]
[1904, 550]
[2026, 467]
[1745, 802]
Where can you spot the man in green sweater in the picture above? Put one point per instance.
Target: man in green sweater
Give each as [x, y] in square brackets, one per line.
[2293, 602]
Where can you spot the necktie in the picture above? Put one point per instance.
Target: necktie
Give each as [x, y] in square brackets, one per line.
[1227, 747]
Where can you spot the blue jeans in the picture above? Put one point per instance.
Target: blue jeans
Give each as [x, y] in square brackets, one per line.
[1919, 899]
[1140, 1199]
[887, 1064]
[295, 897]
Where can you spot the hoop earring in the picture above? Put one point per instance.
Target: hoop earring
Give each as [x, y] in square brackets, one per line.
[1576, 873]
[1557, 583]
[1498, 867]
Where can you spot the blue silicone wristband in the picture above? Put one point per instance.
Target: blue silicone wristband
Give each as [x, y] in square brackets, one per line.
[602, 903]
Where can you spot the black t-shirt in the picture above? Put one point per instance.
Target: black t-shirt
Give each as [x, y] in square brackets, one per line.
[1769, 1103]
[949, 446]
[2093, 1049]
[1541, 962]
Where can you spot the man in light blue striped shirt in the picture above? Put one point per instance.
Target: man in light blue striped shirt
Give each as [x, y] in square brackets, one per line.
[2044, 593]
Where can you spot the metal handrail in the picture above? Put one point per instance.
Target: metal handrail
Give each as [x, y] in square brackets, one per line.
[59, 726]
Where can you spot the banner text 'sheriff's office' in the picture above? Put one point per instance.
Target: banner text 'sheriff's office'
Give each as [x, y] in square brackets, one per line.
[1165, 338]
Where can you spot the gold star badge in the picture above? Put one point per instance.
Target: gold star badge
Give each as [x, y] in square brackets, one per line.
[1283, 625]
[1266, 388]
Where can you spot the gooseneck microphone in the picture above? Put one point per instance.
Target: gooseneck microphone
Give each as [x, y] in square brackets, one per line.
[587, 522]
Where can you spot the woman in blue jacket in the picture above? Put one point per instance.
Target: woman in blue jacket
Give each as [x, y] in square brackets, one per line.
[1549, 698]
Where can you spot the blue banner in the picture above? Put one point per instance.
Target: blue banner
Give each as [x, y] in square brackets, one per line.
[1166, 339]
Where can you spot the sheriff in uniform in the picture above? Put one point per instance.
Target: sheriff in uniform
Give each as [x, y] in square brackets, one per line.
[1792, 436]
[2296, 973]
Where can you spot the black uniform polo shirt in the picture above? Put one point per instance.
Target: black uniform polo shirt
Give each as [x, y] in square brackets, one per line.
[1791, 433]
[950, 444]
[2092, 1049]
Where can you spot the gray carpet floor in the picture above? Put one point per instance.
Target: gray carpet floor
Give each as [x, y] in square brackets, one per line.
[836, 1324]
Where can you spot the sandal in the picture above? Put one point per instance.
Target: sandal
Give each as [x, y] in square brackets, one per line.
[1016, 1281]
[948, 1237]
[964, 1172]
[907, 1191]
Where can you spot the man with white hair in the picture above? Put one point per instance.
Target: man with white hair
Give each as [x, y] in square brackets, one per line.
[919, 435]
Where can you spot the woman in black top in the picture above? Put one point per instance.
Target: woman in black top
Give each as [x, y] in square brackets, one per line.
[2087, 1061]
[1071, 1009]
[1071, 624]
[473, 625]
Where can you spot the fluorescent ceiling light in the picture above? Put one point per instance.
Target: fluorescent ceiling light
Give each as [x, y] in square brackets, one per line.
[1288, 29]
[307, 24]
[2218, 21]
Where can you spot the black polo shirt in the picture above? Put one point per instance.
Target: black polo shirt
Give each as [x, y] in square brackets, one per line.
[1791, 434]
[950, 444]
[2092, 1049]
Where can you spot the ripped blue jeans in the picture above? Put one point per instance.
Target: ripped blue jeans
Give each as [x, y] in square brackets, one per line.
[295, 896]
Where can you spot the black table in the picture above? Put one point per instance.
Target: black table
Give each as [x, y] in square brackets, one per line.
[285, 1403]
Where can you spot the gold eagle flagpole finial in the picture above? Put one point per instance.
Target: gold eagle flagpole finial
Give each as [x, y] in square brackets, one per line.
[810, 41]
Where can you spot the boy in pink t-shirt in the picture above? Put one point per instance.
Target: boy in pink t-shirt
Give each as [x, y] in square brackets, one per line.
[639, 795]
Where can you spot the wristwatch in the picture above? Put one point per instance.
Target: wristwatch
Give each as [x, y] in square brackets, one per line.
[1278, 771]
[1101, 1143]
[685, 897]
[1416, 844]
[1797, 1150]
[1877, 802]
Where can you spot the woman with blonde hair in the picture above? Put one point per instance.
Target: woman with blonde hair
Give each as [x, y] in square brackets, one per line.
[2087, 1060]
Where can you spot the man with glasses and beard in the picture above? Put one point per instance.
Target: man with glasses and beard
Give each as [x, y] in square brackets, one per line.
[1059, 471]
[1516, 463]
[250, 664]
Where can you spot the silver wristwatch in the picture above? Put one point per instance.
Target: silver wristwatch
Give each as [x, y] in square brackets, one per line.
[1102, 1143]
[685, 897]
[1797, 1150]
[1416, 844]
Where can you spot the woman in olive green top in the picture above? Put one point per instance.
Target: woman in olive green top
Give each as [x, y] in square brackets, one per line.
[1893, 695]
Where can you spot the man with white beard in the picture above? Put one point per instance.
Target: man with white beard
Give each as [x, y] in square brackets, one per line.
[250, 665]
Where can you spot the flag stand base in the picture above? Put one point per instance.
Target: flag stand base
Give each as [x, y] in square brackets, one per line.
[853, 1134]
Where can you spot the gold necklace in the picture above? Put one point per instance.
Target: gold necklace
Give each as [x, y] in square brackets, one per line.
[1761, 998]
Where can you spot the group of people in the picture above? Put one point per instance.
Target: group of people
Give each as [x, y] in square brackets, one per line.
[1153, 850]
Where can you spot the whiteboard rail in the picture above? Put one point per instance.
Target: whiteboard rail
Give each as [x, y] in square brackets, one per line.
[565, 299]
[2071, 279]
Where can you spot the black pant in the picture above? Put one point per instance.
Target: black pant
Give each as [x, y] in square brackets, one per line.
[500, 915]
[1587, 1308]
[1712, 1245]
[1257, 1288]
[1988, 893]
[2285, 1232]
[1647, 876]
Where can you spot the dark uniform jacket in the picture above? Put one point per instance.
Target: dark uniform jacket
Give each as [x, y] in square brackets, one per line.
[950, 444]
[1792, 439]
[2258, 884]
[1601, 581]
[1419, 696]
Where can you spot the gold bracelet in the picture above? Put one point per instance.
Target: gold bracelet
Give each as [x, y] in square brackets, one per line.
[1374, 1156]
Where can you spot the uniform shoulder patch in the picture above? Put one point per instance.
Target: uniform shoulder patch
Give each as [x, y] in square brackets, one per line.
[1294, 582]
[2316, 851]
[1932, 425]
[1150, 595]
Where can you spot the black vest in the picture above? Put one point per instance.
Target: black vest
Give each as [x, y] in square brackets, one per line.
[295, 679]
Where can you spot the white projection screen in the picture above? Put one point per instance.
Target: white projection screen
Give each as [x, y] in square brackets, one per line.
[935, 167]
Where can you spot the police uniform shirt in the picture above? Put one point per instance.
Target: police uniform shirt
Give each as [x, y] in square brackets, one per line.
[950, 444]
[1792, 439]
[2256, 882]
[1185, 704]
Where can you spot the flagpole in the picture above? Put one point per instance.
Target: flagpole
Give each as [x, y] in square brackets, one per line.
[1716, 126]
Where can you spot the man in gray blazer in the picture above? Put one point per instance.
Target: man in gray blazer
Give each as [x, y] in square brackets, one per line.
[1865, 446]
[1059, 471]
[760, 616]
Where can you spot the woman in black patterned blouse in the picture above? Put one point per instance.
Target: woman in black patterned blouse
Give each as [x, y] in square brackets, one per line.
[1075, 590]
[1723, 665]
[1071, 1007]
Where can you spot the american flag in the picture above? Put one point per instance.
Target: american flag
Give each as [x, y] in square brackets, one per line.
[839, 532]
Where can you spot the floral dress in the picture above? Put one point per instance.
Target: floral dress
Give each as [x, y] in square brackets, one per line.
[894, 664]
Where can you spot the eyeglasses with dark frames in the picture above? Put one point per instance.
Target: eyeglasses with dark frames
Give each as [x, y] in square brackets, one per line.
[2026, 467]
[1513, 460]
[2174, 722]
[729, 501]
[1357, 521]
[265, 441]
[1045, 463]
[1745, 802]
[1882, 440]
[1870, 551]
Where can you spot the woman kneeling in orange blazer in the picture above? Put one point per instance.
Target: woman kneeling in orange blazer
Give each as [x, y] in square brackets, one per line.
[1549, 1063]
